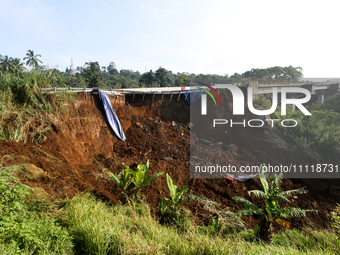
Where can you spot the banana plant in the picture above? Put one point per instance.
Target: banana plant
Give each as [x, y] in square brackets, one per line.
[177, 197]
[139, 177]
[131, 182]
[123, 180]
[272, 195]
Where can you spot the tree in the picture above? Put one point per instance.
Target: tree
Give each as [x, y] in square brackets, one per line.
[10, 65]
[148, 79]
[92, 74]
[124, 82]
[235, 77]
[32, 60]
[272, 195]
[130, 74]
[80, 69]
[55, 78]
[18, 65]
[111, 69]
[81, 81]
[293, 73]
[162, 77]
[7, 65]
[276, 73]
[182, 80]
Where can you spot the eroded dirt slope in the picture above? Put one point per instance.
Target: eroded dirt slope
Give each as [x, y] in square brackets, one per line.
[76, 152]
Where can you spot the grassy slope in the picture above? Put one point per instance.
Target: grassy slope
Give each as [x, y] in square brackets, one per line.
[84, 225]
[101, 229]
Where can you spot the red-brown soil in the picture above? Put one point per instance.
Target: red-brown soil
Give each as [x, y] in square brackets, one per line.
[73, 156]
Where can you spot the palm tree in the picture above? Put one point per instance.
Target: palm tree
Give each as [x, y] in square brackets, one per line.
[6, 65]
[10, 65]
[32, 60]
[18, 65]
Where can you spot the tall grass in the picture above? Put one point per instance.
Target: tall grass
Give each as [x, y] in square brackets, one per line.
[85, 225]
[26, 113]
[98, 228]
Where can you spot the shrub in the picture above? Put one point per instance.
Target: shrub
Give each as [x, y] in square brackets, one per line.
[39, 234]
[21, 226]
[12, 196]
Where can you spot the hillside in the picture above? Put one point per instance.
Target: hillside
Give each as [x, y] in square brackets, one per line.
[80, 148]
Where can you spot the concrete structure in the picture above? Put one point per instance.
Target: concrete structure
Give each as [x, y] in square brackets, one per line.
[320, 89]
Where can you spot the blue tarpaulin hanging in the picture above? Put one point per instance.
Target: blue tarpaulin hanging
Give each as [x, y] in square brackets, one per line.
[193, 95]
[112, 117]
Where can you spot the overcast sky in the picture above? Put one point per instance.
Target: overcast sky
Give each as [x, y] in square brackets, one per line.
[216, 37]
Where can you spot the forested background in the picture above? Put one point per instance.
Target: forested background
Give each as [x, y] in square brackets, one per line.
[92, 74]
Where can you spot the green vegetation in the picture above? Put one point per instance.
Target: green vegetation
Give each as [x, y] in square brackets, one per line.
[276, 73]
[317, 135]
[10, 65]
[94, 75]
[85, 225]
[11, 197]
[164, 78]
[99, 228]
[262, 102]
[32, 60]
[24, 226]
[336, 220]
[169, 208]
[132, 182]
[272, 195]
[28, 171]
[25, 113]
[223, 221]
[330, 103]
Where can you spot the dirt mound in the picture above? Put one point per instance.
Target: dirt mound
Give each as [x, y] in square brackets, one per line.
[81, 148]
